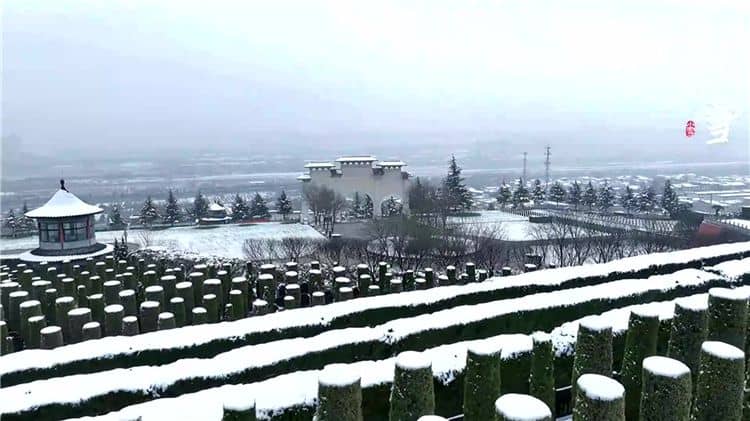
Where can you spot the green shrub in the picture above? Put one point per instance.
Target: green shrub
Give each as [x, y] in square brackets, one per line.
[593, 354]
[719, 392]
[667, 390]
[518, 407]
[481, 381]
[727, 316]
[239, 409]
[542, 374]
[339, 394]
[640, 342]
[599, 398]
[413, 391]
[689, 330]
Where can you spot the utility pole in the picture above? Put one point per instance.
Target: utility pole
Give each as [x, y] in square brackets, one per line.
[524, 168]
[546, 167]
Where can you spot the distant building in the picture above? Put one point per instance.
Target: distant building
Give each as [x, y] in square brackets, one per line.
[66, 229]
[380, 180]
[216, 214]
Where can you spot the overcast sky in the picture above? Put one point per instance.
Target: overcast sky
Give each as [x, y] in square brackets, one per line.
[179, 72]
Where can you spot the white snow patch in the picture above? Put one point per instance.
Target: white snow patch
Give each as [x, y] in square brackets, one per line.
[595, 324]
[518, 407]
[722, 350]
[412, 360]
[729, 294]
[666, 367]
[338, 375]
[599, 387]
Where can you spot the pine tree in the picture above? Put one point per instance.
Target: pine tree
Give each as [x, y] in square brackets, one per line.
[574, 195]
[240, 210]
[589, 196]
[149, 213]
[557, 193]
[459, 197]
[367, 207]
[27, 224]
[606, 197]
[357, 203]
[538, 194]
[200, 206]
[521, 194]
[115, 217]
[647, 200]
[258, 208]
[284, 206]
[628, 200]
[504, 195]
[172, 210]
[11, 222]
[669, 200]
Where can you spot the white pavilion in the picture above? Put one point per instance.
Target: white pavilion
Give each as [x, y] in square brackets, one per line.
[66, 229]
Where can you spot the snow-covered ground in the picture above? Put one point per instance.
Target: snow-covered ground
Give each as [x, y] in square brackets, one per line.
[223, 241]
[513, 227]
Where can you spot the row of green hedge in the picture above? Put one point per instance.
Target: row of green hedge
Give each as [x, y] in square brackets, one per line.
[349, 350]
[122, 353]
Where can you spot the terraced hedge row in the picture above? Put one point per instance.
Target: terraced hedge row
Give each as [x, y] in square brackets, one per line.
[207, 341]
[113, 390]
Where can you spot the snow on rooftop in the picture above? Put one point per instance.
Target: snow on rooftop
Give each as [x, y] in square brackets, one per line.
[518, 407]
[722, 350]
[391, 163]
[215, 207]
[667, 367]
[64, 204]
[363, 158]
[319, 165]
[599, 387]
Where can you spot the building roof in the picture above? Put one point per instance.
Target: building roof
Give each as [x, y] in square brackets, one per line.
[319, 165]
[391, 163]
[64, 204]
[303, 177]
[367, 158]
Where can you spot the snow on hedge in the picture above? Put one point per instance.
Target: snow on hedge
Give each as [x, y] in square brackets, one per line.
[732, 268]
[150, 380]
[322, 316]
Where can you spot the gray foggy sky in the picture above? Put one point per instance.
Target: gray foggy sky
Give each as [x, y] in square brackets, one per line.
[184, 72]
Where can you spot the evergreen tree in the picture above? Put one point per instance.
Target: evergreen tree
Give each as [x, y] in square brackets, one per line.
[367, 207]
[647, 200]
[284, 206]
[538, 193]
[357, 204]
[172, 210]
[628, 200]
[521, 194]
[504, 195]
[240, 210]
[606, 197]
[200, 206]
[669, 200]
[11, 222]
[391, 207]
[27, 224]
[149, 213]
[459, 197]
[589, 196]
[115, 217]
[258, 208]
[574, 195]
[557, 193]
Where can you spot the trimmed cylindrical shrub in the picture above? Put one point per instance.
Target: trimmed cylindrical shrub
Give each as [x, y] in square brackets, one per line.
[593, 352]
[50, 308]
[471, 271]
[50, 337]
[450, 272]
[200, 315]
[78, 317]
[481, 381]
[113, 315]
[541, 374]
[289, 302]
[166, 321]
[28, 309]
[4, 346]
[640, 342]
[211, 304]
[35, 324]
[345, 293]
[68, 287]
[111, 292]
[432, 418]
[238, 408]
[155, 293]
[213, 286]
[667, 390]
[413, 391]
[372, 290]
[293, 290]
[168, 282]
[62, 306]
[82, 297]
[238, 299]
[260, 307]
[184, 290]
[97, 284]
[129, 302]
[91, 330]
[339, 394]
[599, 398]
[15, 299]
[727, 316]
[363, 283]
[149, 316]
[241, 284]
[177, 307]
[396, 285]
[196, 280]
[518, 407]
[317, 298]
[689, 331]
[420, 284]
[130, 326]
[718, 394]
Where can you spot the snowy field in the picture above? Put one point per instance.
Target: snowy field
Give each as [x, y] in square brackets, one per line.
[513, 227]
[222, 241]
